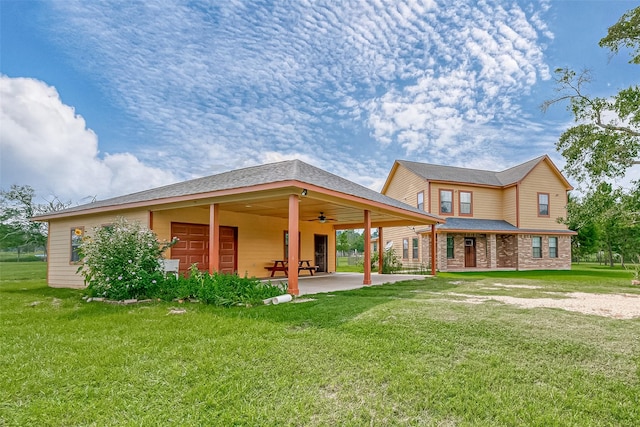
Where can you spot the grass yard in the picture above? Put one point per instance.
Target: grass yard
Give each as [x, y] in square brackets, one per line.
[403, 354]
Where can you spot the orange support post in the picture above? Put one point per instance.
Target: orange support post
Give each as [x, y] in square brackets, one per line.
[294, 214]
[214, 240]
[367, 248]
[433, 250]
[380, 250]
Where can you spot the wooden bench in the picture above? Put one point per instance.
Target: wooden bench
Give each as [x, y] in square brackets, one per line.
[278, 265]
[306, 265]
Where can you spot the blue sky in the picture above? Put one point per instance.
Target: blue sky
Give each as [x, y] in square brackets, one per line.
[109, 97]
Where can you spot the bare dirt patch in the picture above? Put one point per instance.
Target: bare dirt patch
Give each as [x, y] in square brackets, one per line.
[616, 306]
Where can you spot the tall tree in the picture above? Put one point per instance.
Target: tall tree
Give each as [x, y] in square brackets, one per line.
[606, 141]
[578, 219]
[17, 207]
[342, 243]
[614, 213]
[625, 33]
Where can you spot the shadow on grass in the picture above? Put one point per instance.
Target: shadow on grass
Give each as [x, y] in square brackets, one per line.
[326, 311]
[569, 275]
[39, 289]
[333, 309]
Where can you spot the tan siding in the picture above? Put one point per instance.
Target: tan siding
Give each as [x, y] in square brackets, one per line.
[396, 235]
[542, 180]
[260, 238]
[405, 186]
[486, 202]
[62, 273]
[162, 221]
[509, 205]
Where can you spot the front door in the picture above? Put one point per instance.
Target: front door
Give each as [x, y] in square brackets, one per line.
[320, 245]
[469, 252]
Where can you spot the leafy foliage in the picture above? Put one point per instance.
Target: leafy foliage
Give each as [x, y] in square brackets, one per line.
[607, 219]
[17, 207]
[391, 263]
[625, 33]
[122, 261]
[350, 240]
[605, 143]
[606, 140]
[219, 289]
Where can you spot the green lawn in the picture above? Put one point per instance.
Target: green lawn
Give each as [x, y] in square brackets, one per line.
[403, 354]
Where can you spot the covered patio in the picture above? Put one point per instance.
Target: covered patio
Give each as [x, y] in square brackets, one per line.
[241, 222]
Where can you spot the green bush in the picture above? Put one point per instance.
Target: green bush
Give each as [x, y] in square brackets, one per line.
[218, 289]
[390, 261]
[122, 261]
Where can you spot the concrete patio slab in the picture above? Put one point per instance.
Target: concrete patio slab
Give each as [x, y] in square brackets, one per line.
[335, 282]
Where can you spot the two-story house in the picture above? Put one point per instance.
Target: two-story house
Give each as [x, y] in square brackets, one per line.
[494, 220]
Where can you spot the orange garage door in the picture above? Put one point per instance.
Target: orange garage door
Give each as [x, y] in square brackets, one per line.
[193, 247]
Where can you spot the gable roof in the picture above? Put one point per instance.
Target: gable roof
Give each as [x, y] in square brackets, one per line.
[285, 173]
[504, 178]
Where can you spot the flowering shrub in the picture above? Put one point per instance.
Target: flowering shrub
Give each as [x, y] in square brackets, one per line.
[122, 261]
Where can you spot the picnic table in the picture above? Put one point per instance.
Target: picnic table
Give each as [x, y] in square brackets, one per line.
[283, 265]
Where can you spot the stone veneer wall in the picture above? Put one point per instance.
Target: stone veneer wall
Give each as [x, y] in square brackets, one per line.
[506, 251]
[526, 261]
[511, 252]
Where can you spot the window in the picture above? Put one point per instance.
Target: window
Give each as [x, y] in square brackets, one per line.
[77, 233]
[465, 203]
[450, 254]
[536, 244]
[553, 247]
[446, 202]
[286, 245]
[421, 200]
[414, 248]
[543, 204]
[375, 246]
[405, 248]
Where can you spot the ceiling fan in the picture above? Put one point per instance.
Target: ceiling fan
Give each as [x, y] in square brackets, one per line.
[322, 218]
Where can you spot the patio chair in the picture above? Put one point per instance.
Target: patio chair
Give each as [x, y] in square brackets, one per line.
[171, 266]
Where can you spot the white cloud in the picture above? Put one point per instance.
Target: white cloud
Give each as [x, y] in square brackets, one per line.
[45, 144]
[351, 85]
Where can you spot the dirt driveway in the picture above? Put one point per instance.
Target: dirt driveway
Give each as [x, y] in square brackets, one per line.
[617, 306]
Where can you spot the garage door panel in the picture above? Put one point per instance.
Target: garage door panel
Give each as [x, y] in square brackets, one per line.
[193, 247]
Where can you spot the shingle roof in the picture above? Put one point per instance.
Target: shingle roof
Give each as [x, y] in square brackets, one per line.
[473, 176]
[477, 224]
[289, 170]
[490, 225]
